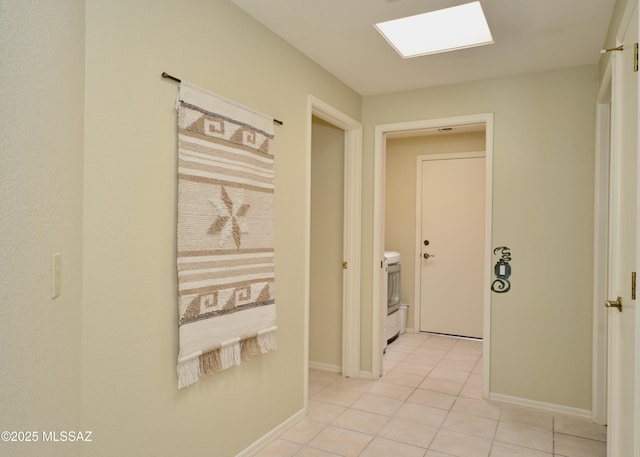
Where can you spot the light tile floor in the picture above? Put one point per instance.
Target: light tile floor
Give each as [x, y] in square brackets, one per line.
[428, 403]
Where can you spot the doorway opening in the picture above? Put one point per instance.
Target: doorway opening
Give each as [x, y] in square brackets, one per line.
[327, 226]
[483, 122]
[336, 127]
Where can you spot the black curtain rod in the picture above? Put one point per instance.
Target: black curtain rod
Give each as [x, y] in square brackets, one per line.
[173, 78]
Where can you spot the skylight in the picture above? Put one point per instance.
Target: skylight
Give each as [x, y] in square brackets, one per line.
[449, 29]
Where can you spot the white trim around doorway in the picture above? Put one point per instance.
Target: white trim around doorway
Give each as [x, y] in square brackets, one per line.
[381, 131]
[352, 234]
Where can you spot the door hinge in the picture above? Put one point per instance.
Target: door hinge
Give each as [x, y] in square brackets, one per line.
[635, 57]
[633, 285]
[344, 265]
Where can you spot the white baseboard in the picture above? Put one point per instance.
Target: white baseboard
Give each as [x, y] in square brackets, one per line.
[273, 434]
[338, 369]
[550, 407]
[367, 375]
[325, 367]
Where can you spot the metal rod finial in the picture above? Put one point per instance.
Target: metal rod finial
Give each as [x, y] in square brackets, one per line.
[168, 76]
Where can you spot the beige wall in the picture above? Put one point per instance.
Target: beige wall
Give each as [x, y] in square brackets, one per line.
[129, 316]
[102, 356]
[542, 210]
[41, 139]
[400, 197]
[327, 190]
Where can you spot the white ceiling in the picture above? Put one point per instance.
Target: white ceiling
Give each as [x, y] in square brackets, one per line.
[529, 35]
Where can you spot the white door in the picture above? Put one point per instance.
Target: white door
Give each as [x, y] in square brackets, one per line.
[452, 245]
[623, 251]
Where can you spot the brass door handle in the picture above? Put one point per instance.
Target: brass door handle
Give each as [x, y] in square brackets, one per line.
[427, 256]
[617, 303]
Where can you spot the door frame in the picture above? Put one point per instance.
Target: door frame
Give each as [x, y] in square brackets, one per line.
[378, 273]
[352, 227]
[417, 294]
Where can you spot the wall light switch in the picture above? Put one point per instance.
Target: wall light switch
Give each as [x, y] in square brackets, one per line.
[56, 268]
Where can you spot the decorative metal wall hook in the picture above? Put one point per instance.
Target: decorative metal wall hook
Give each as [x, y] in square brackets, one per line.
[502, 271]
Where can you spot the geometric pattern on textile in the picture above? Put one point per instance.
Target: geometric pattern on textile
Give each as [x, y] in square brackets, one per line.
[225, 251]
